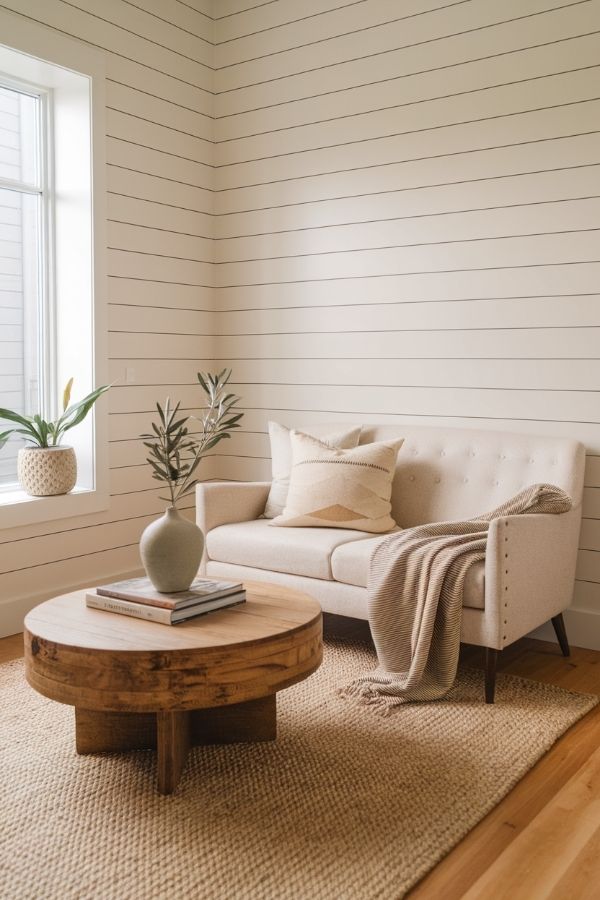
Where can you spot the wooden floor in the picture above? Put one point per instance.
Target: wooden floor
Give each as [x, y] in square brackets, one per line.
[11, 648]
[543, 840]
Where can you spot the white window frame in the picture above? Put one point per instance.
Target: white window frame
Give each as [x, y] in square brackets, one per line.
[44, 189]
[72, 75]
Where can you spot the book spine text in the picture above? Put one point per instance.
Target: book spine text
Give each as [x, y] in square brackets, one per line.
[125, 608]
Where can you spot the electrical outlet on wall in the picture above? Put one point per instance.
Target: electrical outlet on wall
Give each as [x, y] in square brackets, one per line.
[129, 375]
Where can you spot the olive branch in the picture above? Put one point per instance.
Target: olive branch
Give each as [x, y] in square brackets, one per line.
[175, 453]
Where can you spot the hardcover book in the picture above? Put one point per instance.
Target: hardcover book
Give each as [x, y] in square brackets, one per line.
[159, 614]
[141, 590]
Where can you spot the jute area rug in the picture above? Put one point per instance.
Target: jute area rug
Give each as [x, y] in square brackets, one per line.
[346, 804]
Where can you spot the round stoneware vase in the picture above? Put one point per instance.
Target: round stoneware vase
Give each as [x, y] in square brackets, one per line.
[47, 471]
[171, 550]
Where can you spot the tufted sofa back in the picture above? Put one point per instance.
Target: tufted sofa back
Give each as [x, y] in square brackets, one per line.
[455, 473]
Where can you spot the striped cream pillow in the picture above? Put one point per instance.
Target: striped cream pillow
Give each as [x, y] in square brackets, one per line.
[281, 460]
[335, 488]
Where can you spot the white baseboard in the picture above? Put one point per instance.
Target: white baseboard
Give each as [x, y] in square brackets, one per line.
[583, 629]
[14, 610]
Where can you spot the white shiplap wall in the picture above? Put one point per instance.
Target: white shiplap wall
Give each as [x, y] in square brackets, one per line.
[407, 221]
[159, 132]
[404, 203]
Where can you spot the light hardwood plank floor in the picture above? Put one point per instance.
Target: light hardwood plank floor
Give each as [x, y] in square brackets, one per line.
[11, 648]
[542, 842]
[555, 856]
[508, 854]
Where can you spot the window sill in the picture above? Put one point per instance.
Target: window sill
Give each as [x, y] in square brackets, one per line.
[17, 508]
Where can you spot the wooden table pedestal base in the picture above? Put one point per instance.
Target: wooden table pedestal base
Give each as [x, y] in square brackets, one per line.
[173, 733]
[137, 685]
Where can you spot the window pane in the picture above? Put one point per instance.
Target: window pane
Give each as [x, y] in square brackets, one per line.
[20, 266]
[19, 143]
[19, 314]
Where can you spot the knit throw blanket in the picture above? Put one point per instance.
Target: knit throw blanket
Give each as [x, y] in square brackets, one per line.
[415, 595]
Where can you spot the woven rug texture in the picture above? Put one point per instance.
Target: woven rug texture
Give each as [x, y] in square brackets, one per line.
[345, 804]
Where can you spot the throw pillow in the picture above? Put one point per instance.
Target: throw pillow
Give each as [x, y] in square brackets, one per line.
[281, 461]
[336, 488]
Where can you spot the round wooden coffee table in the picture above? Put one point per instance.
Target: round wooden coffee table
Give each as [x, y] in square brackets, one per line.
[138, 685]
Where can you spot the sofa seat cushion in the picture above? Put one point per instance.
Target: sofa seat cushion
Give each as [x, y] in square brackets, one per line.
[350, 565]
[296, 551]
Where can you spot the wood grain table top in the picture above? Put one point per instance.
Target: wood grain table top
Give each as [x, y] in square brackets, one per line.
[99, 660]
[269, 611]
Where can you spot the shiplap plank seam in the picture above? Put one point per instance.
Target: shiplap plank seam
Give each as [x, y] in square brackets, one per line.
[394, 134]
[200, 37]
[472, 240]
[397, 162]
[160, 178]
[108, 50]
[191, 134]
[159, 203]
[138, 90]
[203, 237]
[431, 215]
[412, 74]
[348, 61]
[282, 24]
[370, 304]
[136, 34]
[396, 106]
[399, 274]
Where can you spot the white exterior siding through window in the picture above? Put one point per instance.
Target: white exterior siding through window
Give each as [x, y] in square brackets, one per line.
[21, 254]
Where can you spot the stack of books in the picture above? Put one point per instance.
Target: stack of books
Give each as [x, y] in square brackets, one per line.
[138, 597]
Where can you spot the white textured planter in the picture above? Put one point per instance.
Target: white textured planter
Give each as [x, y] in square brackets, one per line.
[47, 471]
[171, 549]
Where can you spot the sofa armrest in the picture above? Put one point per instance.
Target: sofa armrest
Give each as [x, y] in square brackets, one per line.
[224, 502]
[529, 572]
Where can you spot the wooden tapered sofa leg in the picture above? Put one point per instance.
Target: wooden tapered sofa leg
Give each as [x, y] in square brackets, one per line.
[491, 660]
[561, 634]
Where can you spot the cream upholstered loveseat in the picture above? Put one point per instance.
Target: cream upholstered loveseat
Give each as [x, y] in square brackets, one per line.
[442, 474]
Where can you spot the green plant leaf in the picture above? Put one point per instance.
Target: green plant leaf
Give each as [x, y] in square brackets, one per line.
[231, 422]
[161, 472]
[76, 413]
[178, 424]
[189, 489]
[11, 416]
[43, 430]
[31, 433]
[176, 448]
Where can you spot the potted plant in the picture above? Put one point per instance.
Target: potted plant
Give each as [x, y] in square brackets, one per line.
[46, 467]
[171, 547]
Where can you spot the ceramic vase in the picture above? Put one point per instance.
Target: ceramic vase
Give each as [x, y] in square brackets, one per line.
[171, 550]
[47, 471]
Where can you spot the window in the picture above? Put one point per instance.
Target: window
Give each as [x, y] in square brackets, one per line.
[52, 248]
[26, 365]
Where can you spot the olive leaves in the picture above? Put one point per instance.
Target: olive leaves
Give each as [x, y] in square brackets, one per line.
[174, 451]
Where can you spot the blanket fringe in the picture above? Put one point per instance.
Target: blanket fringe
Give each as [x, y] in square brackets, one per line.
[368, 693]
